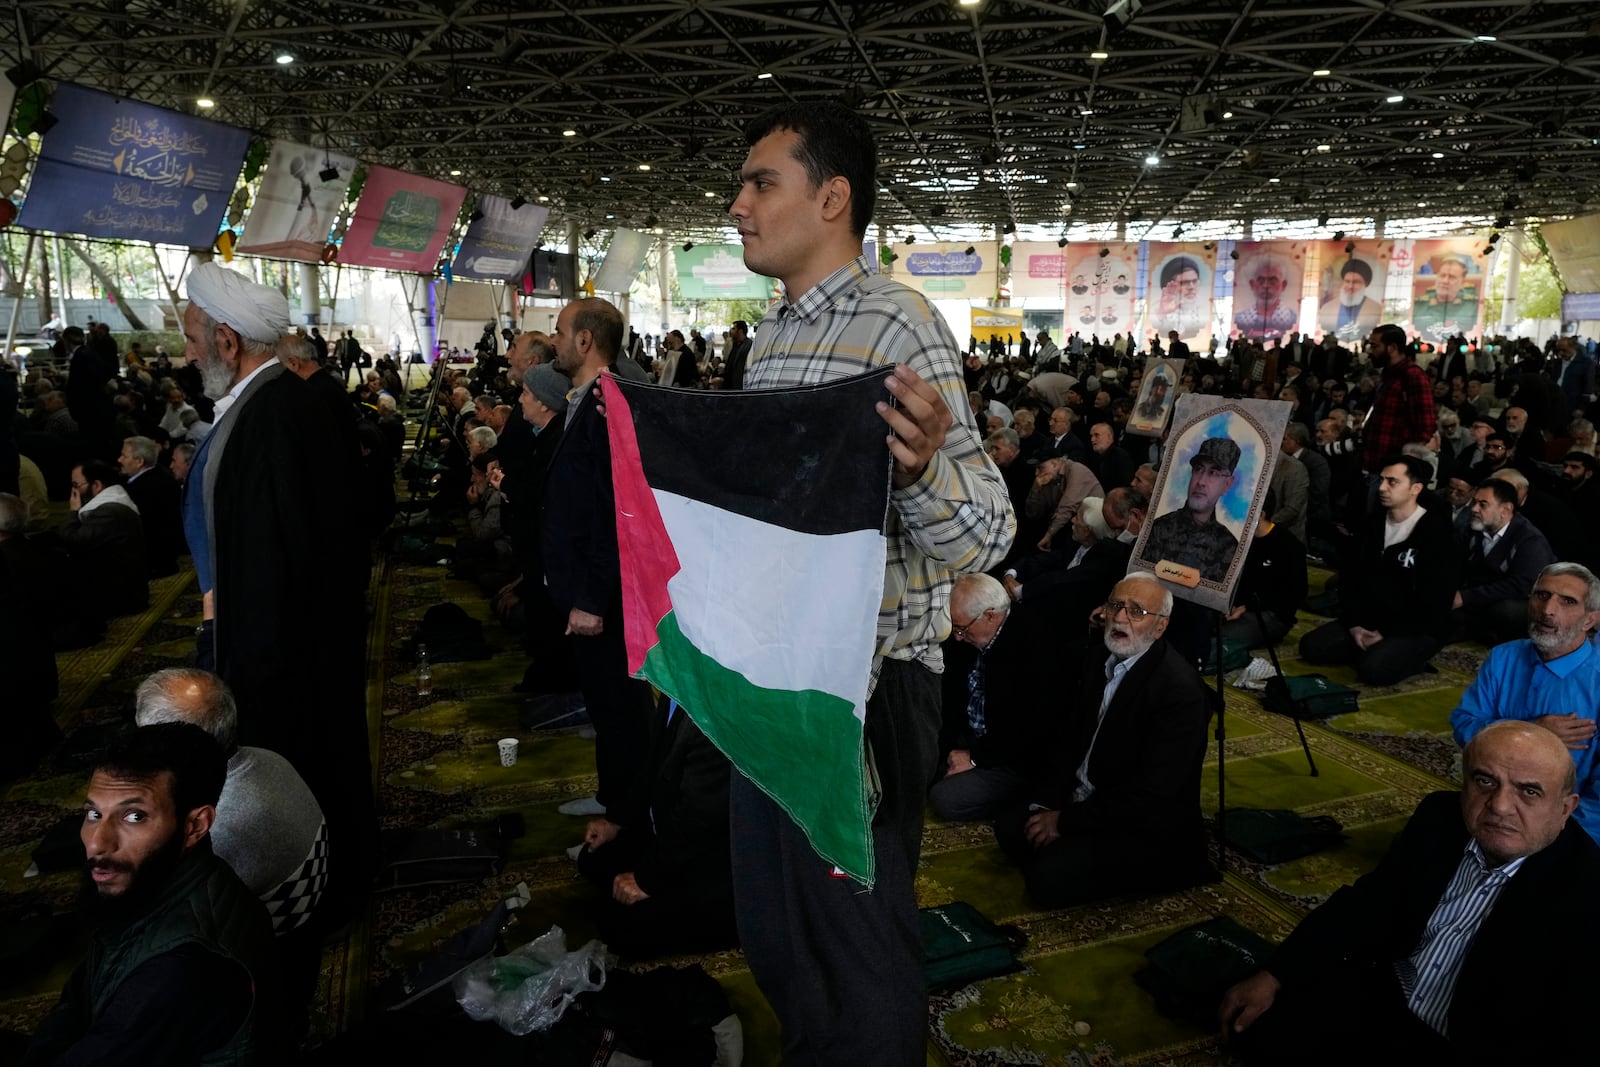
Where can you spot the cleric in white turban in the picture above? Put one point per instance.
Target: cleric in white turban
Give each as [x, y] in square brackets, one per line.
[255, 316]
[255, 312]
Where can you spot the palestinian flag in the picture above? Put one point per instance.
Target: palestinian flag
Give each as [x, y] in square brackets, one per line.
[750, 527]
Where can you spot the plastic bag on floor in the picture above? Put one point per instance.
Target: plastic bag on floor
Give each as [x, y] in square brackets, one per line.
[528, 990]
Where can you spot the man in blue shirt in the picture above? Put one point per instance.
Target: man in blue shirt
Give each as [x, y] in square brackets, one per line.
[1551, 678]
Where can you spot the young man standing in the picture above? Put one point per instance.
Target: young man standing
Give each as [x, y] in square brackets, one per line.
[841, 965]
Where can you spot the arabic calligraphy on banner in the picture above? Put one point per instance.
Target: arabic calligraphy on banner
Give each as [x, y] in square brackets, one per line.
[295, 206]
[115, 168]
[950, 271]
[1100, 283]
[498, 244]
[401, 221]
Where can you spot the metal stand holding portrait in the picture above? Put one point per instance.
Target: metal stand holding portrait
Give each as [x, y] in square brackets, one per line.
[1204, 510]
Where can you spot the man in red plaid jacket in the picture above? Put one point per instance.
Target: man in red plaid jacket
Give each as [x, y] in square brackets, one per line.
[1403, 410]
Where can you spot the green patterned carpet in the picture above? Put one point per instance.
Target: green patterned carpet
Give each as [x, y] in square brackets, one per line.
[1074, 1003]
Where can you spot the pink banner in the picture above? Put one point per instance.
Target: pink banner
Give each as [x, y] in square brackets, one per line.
[401, 221]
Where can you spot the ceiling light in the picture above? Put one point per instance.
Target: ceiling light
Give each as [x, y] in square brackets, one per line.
[205, 102]
[1321, 72]
[1274, 181]
[1484, 38]
[764, 75]
[658, 229]
[455, 174]
[713, 196]
[605, 177]
[1080, 146]
[1227, 114]
[1151, 160]
[1099, 55]
[1324, 148]
[610, 216]
[283, 59]
[1438, 155]
[644, 166]
[1394, 99]
[544, 200]
[1086, 112]
[1072, 185]
[569, 133]
[967, 3]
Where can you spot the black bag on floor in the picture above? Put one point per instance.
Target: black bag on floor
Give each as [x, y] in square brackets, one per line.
[1189, 971]
[961, 945]
[452, 636]
[1308, 696]
[1279, 835]
[430, 978]
[439, 857]
[665, 1016]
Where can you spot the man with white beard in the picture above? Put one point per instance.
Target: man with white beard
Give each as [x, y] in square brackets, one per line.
[1351, 313]
[1122, 815]
[1551, 678]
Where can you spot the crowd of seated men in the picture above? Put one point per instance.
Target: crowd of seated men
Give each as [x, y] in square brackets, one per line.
[1476, 523]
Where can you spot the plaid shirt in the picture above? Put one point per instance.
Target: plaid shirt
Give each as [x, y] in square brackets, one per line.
[957, 517]
[1402, 413]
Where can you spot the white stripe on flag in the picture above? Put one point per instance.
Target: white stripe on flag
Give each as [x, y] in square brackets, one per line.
[786, 610]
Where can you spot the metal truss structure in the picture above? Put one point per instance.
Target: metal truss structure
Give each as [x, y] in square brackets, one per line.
[628, 112]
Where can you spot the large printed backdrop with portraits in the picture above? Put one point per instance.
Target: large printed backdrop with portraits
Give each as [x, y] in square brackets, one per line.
[1256, 428]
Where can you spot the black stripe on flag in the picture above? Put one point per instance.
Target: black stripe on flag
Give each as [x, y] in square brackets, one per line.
[814, 459]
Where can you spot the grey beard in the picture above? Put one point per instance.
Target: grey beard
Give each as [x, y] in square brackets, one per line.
[215, 378]
[1352, 301]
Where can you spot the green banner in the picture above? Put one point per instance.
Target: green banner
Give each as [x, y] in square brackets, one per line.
[717, 272]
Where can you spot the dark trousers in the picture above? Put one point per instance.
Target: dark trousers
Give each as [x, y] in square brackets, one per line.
[980, 793]
[618, 707]
[1389, 661]
[1351, 1013]
[840, 964]
[1258, 629]
[1493, 623]
[672, 920]
[1078, 868]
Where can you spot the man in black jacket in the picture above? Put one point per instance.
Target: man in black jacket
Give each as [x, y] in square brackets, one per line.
[1394, 595]
[1122, 814]
[155, 492]
[1504, 555]
[578, 539]
[1417, 961]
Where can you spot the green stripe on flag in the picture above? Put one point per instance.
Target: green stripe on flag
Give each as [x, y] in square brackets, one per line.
[802, 748]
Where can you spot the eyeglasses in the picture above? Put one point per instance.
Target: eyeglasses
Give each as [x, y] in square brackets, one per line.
[959, 632]
[1113, 608]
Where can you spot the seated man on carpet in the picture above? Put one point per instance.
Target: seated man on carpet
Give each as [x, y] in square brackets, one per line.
[1044, 571]
[1550, 678]
[1394, 594]
[268, 826]
[179, 969]
[1121, 814]
[997, 718]
[1504, 554]
[1272, 584]
[104, 538]
[1420, 961]
[662, 853]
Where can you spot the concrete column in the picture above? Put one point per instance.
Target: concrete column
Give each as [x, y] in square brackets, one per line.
[666, 286]
[310, 295]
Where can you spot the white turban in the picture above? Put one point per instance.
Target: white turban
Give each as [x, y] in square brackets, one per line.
[256, 312]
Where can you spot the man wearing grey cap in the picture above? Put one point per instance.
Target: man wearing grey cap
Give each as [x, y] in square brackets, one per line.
[268, 519]
[1192, 536]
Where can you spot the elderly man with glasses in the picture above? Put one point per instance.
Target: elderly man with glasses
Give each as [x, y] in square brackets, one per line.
[1121, 815]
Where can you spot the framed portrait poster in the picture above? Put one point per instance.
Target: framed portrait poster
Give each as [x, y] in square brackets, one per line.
[1157, 394]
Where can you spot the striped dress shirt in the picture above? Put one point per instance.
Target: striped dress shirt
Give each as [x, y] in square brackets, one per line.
[957, 517]
[1428, 976]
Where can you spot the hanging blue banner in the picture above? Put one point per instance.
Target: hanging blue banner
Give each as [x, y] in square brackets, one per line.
[499, 241]
[117, 168]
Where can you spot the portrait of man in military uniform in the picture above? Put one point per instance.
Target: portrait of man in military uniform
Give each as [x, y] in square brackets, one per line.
[1191, 536]
[1450, 306]
[1156, 395]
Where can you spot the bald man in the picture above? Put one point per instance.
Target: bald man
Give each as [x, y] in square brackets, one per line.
[1427, 957]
